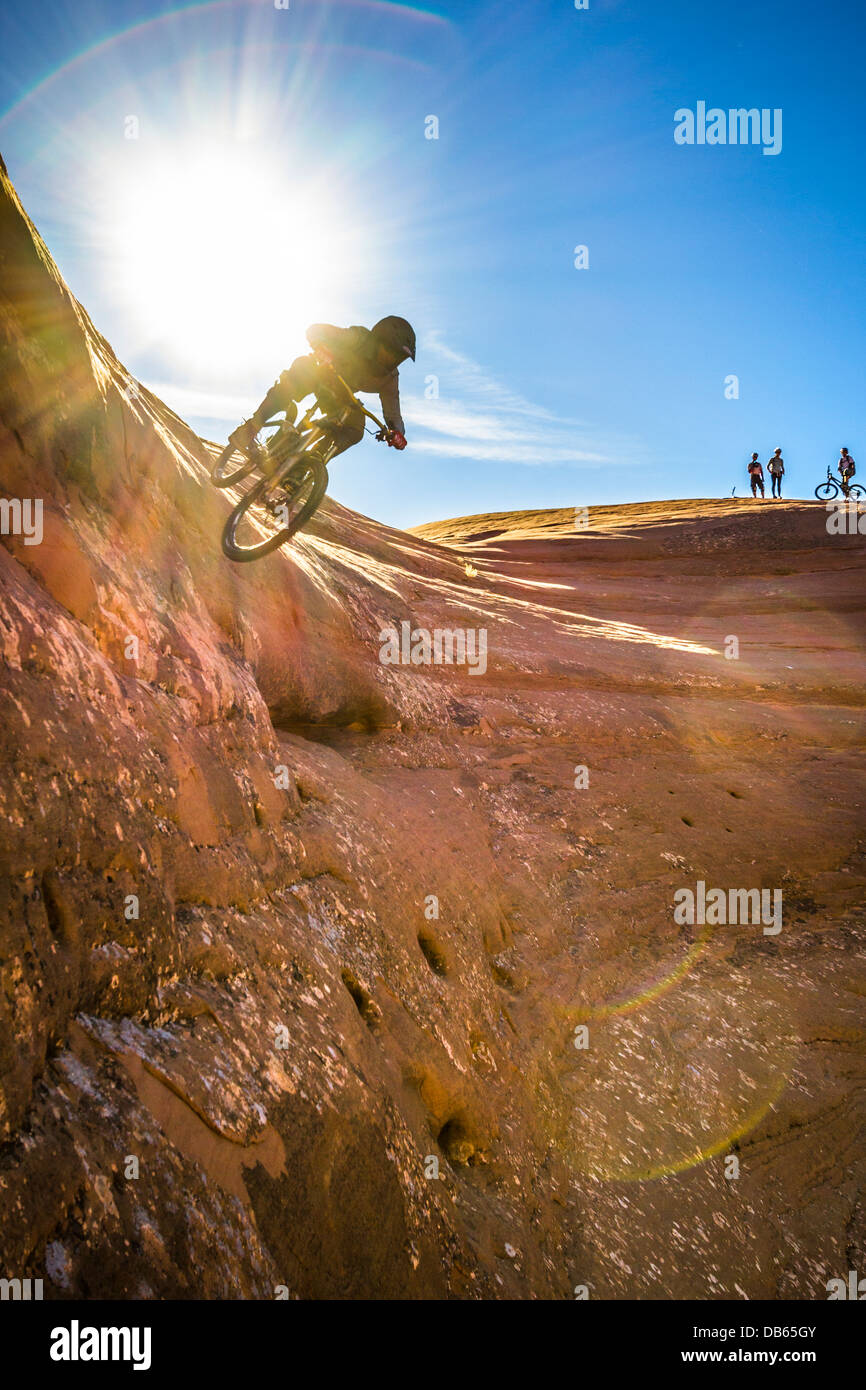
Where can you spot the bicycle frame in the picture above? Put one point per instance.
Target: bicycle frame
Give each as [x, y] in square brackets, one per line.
[309, 420]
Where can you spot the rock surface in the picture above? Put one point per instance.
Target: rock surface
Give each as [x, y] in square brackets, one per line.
[286, 932]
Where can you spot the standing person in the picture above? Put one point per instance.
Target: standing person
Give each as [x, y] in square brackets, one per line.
[776, 469]
[756, 475]
[847, 469]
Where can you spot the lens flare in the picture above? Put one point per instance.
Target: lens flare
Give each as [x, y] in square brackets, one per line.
[217, 258]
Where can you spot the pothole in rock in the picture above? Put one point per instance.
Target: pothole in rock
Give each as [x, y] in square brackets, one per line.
[454, 1141]
[358, 716]
[363, 1001]
[433, 954]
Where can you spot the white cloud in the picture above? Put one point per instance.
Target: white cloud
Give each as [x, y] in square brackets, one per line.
[441, 417]
[508, 453]
[484, 420]
[473, 379]
[205, 405]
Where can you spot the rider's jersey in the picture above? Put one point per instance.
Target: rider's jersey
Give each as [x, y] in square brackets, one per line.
[846, 465]
[354, 352]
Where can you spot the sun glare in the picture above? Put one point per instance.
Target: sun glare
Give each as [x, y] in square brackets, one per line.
[222, 259]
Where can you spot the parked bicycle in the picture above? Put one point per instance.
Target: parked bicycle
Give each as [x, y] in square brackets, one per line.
[825, 492]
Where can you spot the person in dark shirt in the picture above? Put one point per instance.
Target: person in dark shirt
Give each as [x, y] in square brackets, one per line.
[756, 475]
[368, 359]
[847, 469]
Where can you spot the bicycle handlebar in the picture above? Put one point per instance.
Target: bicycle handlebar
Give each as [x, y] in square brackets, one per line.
[349, 392]
[351, 395]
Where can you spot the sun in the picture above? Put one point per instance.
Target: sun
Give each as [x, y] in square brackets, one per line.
[220, 257]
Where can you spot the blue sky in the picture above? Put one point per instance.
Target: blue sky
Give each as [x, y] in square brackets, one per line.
[280, 174]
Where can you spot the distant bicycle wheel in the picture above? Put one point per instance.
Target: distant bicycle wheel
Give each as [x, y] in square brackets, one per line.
[855, 490]
[826, 491]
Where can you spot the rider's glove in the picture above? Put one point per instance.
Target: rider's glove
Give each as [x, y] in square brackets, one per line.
[393, 438]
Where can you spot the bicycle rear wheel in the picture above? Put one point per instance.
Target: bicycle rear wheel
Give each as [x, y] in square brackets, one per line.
[275, 509]
[855, 490]
[233, 465]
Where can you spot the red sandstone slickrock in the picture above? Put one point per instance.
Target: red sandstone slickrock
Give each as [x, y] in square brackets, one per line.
[285, 929]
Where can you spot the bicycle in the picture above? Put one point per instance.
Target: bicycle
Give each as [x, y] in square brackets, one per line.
[825, 492]
[293, 469]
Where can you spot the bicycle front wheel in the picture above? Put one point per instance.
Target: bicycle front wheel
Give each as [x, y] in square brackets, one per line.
[826, 491]
[275, 509]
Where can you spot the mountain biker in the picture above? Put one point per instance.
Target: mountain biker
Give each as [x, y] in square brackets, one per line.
[847, 469]
[776, 469]
[756, 475]
[366, 358]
